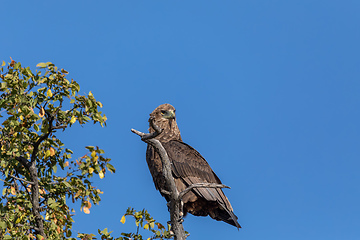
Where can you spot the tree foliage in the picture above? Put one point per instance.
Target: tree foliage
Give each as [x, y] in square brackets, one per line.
[38, 173]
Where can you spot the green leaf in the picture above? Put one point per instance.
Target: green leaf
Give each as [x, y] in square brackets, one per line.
[110, 167]
[90, 148]
[105, 231]
[67, 184]
[2, 225]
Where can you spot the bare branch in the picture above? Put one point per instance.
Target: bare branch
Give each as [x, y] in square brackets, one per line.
[22, 225]
[201, 185]
[165, 192]
[20, 179]
[59, 127]
[175, 201]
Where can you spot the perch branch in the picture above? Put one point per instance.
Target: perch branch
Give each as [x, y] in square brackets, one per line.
[175, 201]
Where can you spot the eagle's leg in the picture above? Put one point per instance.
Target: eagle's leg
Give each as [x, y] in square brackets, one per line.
[181, 209]
[181, 213]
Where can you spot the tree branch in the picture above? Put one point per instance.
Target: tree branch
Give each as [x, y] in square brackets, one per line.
[175, 201]
[20, 179]
[24, 162]
[22, 225]
[35, 199]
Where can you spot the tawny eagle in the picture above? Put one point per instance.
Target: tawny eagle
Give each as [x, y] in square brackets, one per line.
[188, 167]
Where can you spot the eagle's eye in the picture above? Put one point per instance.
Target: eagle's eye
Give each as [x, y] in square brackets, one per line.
[163, 112]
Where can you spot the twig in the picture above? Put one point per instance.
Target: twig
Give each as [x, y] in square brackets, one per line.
[59, 127]
[22, 225]
[20, 179]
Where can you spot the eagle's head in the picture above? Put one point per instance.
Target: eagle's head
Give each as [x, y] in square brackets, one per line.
[163, 112]
[164, 117]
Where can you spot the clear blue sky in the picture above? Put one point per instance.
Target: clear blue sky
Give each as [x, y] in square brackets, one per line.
[267, 91]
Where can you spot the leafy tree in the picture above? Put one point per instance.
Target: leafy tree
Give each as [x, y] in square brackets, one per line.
[38, 173]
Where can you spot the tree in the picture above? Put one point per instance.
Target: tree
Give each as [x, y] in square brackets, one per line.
[38, 174]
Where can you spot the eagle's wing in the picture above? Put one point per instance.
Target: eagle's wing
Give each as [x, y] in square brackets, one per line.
[191, 167]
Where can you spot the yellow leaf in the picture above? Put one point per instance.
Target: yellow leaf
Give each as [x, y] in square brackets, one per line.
[91, 170]
[88, 204]
[12, 191]
[123, 219]
[41, 64]
[3, 63]
[90, 94]
[101, 174]
[67, 163]
[47, 153]
[42, 112]
[77, 194]
[146, 226]
[152, 224]
[52, 151]
[93, 154]
[86, 210]
[73, 120]
[49, 93]
[21, 118]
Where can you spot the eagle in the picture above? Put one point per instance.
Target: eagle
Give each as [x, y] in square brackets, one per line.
[188, 167]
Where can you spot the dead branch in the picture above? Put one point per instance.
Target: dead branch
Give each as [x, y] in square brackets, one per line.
[175, 201]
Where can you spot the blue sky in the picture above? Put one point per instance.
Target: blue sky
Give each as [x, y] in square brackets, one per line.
[266, 91]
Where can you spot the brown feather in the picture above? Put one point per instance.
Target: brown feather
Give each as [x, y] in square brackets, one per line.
[188, 167]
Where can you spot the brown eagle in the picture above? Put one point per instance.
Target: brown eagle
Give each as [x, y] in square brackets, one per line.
[188, 167]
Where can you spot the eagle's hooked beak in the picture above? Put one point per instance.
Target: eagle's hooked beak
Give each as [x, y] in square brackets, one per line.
[169, 114]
